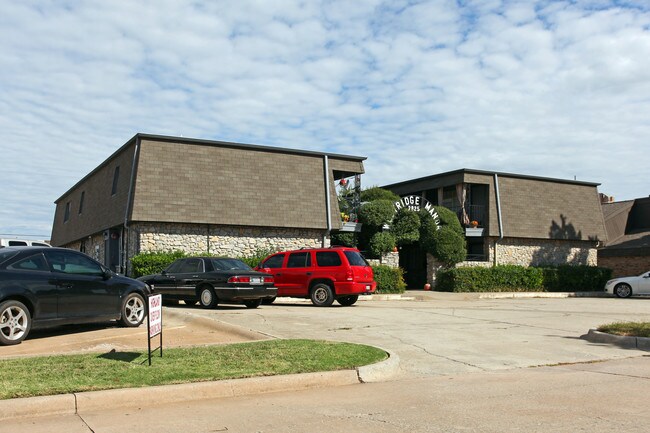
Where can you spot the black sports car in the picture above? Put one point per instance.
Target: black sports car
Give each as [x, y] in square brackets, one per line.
[44, 286]
[212, 280]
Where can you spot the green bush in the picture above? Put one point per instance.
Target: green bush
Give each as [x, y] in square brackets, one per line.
[568, 278]
[376, 193]
[153, 262]
[389, 279]
[255, 258]
[376, 213]
[380, 243]
[346, 239]
[506, 278]
[510, 278]
[445, 244]
[406, 227]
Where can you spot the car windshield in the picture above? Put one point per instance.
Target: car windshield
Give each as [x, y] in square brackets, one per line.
[6, 254]
[355, 258]
[228, 264]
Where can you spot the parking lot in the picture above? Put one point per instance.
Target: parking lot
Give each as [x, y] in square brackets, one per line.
[446, 333]
[461, 360]
[432, 333]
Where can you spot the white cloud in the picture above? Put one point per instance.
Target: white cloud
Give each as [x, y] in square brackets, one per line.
[558, 89]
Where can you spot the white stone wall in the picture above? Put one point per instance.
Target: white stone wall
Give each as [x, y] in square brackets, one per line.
[389, 259]
[528, 252]
[219, 240]
[537, 252]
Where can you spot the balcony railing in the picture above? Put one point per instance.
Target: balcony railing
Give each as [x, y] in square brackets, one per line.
[475, 212]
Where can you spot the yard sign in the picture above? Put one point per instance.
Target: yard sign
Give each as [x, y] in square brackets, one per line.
[154, 322]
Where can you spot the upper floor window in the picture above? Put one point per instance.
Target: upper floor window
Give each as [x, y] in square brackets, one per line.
[81, 202]
[116, 178]
[66, 216]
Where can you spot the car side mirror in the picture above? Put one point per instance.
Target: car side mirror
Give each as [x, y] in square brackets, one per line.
[163, 273]
[107, 274]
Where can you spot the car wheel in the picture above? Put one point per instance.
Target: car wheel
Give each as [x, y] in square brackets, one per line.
[208, 298]
[15, 322]
[346, 301]
[623, 290]
[322, 295]
[133, 310]
[190, 302]
[253, 304]
[268, 301]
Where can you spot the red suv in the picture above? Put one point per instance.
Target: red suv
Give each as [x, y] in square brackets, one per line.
[322, 274]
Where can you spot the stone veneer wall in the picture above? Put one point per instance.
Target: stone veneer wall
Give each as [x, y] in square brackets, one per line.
[92, 246]
[230, 241]
[537, 252]
[389, 259]
[528, 252]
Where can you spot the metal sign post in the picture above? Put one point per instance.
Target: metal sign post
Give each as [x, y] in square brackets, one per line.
[154, 323]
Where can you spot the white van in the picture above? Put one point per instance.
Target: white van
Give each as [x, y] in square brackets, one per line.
[4, 242]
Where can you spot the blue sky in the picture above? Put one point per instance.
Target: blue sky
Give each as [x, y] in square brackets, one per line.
[557, 88]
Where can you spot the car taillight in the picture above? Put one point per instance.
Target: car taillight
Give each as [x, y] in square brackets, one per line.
[269, 280]
[349, 275]
[238, 279]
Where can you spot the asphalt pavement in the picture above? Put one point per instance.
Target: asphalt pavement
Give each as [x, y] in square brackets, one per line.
[521, 358]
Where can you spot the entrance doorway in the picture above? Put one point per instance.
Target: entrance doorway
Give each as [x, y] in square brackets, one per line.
[414, 262]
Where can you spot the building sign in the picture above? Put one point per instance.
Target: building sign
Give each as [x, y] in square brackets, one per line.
[154, 322]
[417, 203]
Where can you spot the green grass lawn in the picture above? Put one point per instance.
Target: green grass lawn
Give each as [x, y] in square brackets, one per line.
[629, 329]
[27, 377]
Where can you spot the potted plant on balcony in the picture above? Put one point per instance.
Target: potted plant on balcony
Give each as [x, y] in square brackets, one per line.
[473, 229]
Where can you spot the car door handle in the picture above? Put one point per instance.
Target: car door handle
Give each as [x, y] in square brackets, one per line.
[308, 273]
[64, 285]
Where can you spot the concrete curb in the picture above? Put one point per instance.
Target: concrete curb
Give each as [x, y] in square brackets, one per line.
[640, 343]
[70, 404]
[507, 295]
[381, 370]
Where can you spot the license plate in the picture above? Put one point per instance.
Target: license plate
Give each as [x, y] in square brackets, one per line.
[368, 288]
[256, 280]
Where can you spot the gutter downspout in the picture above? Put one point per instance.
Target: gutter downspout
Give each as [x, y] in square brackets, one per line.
[498, 197]
[328, 205]
[129, 206]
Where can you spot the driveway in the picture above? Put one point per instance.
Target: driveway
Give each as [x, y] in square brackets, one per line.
[446, 333]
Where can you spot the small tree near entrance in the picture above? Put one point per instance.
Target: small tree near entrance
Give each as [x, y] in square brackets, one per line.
[444, 239]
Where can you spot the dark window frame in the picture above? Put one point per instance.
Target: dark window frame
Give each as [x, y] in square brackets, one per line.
[81, 202]
[66, 215]
[116, 178]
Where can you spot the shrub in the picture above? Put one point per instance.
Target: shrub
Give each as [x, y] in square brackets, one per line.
[381, 242]
[389, 279]
[376, 193]
[346, 239]
[445, 244]
[406, 227]
[567, 278]
[510, 278]
[153, 262]
[376, 213]
[259, 255]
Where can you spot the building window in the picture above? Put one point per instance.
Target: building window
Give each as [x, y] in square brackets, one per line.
[116, 177]
[66, 216]
[81, 202]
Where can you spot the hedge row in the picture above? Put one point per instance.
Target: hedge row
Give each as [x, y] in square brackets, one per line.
[389, 280]
[153, 262]
[511, 278]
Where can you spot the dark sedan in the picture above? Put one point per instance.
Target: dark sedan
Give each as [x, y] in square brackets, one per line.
[212, 280]
[42, 287]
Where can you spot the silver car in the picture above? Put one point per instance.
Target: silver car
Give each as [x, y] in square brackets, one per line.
[625, 287]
